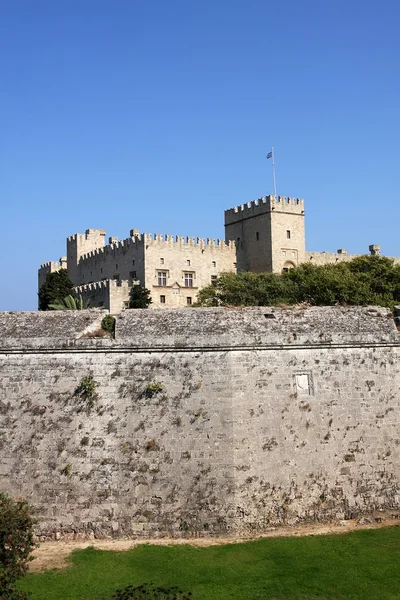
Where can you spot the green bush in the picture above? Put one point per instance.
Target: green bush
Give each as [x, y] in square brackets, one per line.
[108, 324]
[16, 545]
[153, 388]
[86, 391]
[365, 280]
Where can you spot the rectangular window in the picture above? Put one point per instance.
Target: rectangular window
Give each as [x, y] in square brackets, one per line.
[288, 234]
[188, 263]
[116, 267]
[283, 252]
[162, 299]
[214, 264]
[213, 280]
[101, 270]
[257, 236]
[188, 279]
[162, 278]
[189, 300]
[133, 263]
[161, 261]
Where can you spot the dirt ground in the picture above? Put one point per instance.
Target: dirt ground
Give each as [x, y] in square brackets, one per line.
[53, 555]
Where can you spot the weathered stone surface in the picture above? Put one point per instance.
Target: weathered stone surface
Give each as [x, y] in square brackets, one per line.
[258, 421]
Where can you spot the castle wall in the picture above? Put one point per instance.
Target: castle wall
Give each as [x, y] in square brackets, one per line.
[110, 294]
[120, 261]
[328, 258]
[177, 257]
[266, 416]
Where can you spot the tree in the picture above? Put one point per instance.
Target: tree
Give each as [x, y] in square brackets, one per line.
[68, 303]
[139, 297]
[56, 287]
[361, 281]
[16, 545]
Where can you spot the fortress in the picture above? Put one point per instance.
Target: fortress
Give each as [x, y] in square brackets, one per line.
[266, 235]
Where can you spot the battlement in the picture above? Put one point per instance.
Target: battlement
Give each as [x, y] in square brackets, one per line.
[118, 248]
[99, 287]
[263, 205]
[184, 242]
[114, 249]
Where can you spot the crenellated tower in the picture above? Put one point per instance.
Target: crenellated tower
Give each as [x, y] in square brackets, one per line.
[80, 244]
[269, 234]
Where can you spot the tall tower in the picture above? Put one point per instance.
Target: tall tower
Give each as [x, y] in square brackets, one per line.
[269, 234]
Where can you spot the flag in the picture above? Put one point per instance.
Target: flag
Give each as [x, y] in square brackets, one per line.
[269, 155]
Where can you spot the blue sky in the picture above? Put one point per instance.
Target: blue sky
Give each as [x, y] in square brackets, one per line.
[158, 115]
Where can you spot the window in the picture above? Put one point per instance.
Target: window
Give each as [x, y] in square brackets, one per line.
[283, 252]
[257, 236]
[234, 265]
[162, 299]
[116, 267]
[133, 263]
[101, 270]
[132, 274]
[288, 234]
[293, 253]
[188, 279]
[213, 280]
[189, 300]
[91, 274]
[214, 264]
[162, 278]
[188, 263]
[161, 261]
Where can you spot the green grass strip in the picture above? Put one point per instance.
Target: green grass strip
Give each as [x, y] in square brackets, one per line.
[358, 565]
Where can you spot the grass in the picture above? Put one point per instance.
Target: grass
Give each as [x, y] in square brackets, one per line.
[358, 565]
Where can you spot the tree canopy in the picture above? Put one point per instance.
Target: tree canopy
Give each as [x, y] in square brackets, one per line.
[361, 281]
[139, 297]
[56, 287]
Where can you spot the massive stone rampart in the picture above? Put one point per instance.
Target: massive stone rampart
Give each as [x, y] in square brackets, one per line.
[205, 420]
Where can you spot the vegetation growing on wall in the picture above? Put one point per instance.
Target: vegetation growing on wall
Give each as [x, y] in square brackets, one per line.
[56, 287]
[366, 280]
[86, 391]
[108, 324]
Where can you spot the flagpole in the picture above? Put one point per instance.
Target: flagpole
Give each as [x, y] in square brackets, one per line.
[273, 172]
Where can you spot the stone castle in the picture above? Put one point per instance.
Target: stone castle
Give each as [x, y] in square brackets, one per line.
[266, 235]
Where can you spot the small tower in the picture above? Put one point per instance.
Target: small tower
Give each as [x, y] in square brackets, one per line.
[269, 234]
[79, 244]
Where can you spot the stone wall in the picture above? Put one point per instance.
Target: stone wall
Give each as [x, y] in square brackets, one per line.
[207, 421]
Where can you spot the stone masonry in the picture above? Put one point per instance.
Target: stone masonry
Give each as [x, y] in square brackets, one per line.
[205, 421]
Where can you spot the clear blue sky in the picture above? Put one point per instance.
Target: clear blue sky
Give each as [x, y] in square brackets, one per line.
[158, 114]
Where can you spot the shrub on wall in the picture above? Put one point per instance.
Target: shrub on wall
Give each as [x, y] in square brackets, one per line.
[108, 324]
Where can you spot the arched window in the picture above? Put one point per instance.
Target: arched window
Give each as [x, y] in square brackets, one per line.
[287, 266]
